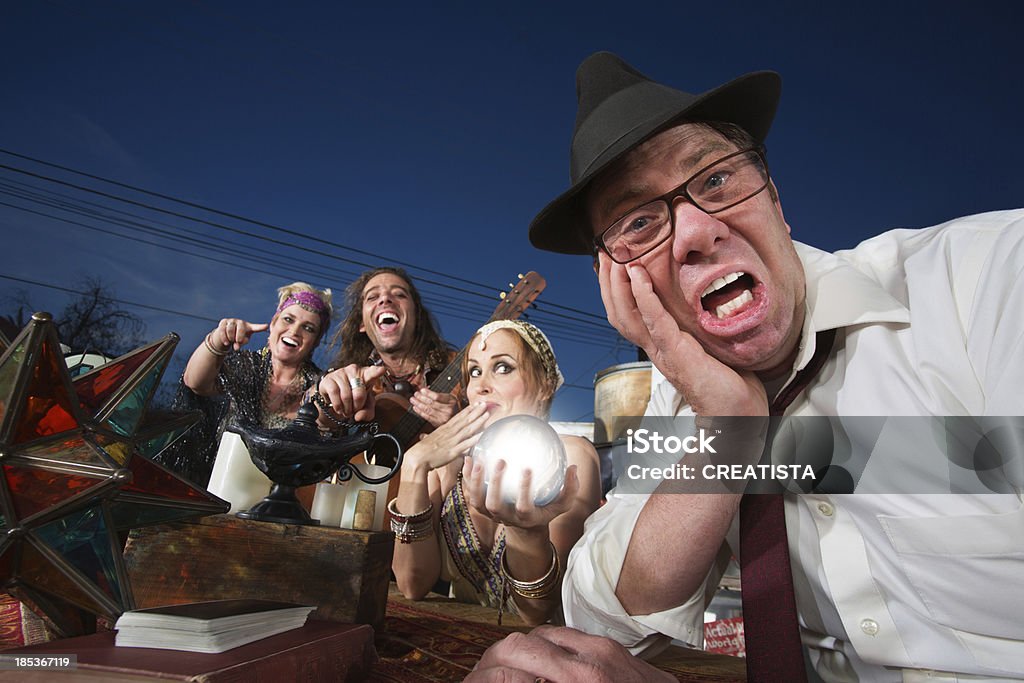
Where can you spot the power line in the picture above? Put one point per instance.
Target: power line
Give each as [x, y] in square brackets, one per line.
[75, 205]
[68, 204]
[238, 217]
[433, 304]
[250, 234]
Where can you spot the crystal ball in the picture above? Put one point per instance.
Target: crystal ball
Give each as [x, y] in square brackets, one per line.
[523, 442]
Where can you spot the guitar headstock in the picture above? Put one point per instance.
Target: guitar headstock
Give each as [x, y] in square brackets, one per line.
[519, 296]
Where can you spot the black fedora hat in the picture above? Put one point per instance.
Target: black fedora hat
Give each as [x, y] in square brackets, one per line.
[618, 108]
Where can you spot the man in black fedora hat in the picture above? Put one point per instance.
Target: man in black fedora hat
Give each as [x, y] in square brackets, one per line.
[672, 198]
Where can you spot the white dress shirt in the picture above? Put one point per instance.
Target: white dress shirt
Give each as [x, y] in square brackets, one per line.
[889, 587]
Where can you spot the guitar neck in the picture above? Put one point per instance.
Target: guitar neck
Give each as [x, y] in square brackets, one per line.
[412, 424]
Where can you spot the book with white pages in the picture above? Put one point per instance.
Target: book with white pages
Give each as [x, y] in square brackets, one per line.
[211, 626]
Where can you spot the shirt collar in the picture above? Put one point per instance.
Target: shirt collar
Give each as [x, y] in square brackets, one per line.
[839, 295]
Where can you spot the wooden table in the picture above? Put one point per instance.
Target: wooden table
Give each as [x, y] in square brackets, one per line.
[432, 641]
[437, 639]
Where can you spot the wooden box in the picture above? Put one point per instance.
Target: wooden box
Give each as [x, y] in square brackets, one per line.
[343, 572]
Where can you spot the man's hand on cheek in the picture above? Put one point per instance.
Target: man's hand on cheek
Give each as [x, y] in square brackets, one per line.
[709, 386]
[620, 304]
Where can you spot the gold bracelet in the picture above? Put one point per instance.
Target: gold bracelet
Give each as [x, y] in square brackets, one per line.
[540, 589]
[211, 349]
[411, 528]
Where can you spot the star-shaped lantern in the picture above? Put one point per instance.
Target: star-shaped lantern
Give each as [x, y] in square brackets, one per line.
[77, 475]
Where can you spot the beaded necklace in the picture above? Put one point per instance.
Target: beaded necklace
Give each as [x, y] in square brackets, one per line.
[396, 384]
[277, 403]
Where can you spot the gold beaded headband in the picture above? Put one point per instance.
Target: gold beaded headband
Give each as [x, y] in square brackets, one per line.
[536, 340]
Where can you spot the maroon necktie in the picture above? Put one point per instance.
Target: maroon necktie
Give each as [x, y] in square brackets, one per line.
[770, 627]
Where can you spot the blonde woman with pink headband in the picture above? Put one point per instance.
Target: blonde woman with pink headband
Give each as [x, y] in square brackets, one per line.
[263, 387]
[447, 527]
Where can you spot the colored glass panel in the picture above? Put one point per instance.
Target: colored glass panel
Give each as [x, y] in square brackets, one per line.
[73, 450]
[119, 450]
[152, 447]
[8, 374]
[129, 411]
[34, 490]
[152, 479]
[39, 572]
[48, 406]
[95, 388]
[83, 540]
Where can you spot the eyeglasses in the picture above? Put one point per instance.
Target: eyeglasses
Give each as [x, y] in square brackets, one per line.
[716, 187]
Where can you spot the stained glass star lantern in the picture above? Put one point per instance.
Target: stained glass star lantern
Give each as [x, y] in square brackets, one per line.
[77, 475]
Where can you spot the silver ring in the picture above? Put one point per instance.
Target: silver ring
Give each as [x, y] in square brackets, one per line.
[355, 382]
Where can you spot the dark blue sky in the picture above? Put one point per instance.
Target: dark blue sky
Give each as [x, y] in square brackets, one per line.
[432, 133]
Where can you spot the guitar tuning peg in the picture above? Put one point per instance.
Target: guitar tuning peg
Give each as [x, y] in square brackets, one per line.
[520, 276]
[510, 285]
[502, 295]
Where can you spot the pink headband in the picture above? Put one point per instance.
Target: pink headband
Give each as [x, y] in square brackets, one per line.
[312, 302]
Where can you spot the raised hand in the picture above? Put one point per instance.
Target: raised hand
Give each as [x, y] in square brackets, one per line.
[436, 408]
[234, 333]
[449, 441]
[347, 393]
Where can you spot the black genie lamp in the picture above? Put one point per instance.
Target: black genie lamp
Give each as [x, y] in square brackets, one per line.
[298, 455]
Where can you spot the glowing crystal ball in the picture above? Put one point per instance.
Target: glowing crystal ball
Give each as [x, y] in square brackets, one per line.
[523, 442]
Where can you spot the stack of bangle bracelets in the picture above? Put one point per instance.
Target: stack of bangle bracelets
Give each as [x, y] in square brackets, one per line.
[534, 590]
[411, 528]
[212, 349]
[540, 589]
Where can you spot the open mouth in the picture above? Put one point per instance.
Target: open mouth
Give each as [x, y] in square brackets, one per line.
[290, 342]
[728, 295]
[387, 321]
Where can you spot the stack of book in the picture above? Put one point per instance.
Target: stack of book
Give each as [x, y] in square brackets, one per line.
[212, 626]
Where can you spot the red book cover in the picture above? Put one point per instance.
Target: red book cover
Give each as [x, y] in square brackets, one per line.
[319, 651]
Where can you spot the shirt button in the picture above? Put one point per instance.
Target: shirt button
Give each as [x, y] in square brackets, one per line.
[869, 626]
[826, 509]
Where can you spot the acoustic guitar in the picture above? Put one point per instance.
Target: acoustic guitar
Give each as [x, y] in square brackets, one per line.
[393, 412]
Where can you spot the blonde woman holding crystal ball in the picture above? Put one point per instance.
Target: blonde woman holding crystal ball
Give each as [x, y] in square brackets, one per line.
[451, 524]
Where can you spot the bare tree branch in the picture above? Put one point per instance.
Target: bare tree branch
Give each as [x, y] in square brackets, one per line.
[90, 322]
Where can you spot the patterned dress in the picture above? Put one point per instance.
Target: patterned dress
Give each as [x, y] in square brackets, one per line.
[474, 574]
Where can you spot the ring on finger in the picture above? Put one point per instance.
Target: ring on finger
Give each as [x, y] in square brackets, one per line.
[355, 382]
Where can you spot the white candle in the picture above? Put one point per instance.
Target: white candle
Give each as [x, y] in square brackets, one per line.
[328, 502]
[352, 488]
[235, 478]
